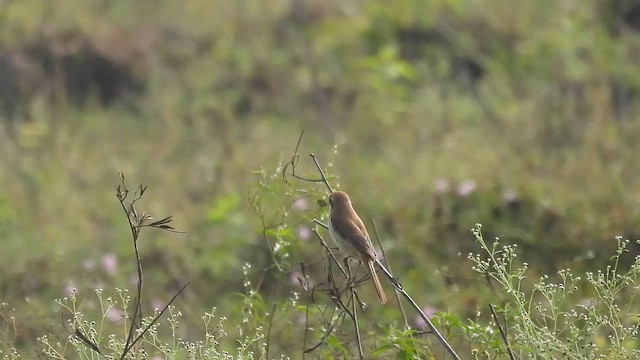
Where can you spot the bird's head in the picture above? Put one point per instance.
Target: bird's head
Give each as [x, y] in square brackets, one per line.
[339, 200]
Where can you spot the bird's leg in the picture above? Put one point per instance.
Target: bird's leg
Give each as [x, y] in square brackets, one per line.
[358, 267]
[351, 281]
[347, 265]
[350, 278]
[353, 276]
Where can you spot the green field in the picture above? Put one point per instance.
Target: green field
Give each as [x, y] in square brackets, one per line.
[435, 116]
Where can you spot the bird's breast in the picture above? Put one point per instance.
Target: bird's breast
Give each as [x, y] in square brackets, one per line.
[342, 242]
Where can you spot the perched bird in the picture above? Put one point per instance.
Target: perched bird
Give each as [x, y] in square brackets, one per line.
[350, 235]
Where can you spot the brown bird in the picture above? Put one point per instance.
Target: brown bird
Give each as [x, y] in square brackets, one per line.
[350, 235]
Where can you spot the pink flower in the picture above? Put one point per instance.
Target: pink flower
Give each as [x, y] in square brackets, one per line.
[304, 232]
[109, 263]
[301, 204]
[419, 321]
[114, 314]
[467, 188]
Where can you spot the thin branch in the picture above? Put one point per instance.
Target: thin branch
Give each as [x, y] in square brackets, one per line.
[306, 332]
[135, 231]
[82, 337]
[155, 319]
[329, 326]
[386, 260]
[503, 332]
[324, 244]
[293, 162]
[273, 313]
[136, 223]
[322, 340]
[415, 306]
[354, 298]
[324, 178]
[354, 311]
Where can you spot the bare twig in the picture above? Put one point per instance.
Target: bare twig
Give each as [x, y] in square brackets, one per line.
[386, 260]
[356, 325]
[136, 222]
[503, 332]
[400, 289]
[324, 178]
[293, 164]
[78, 334]
[306, 332]
[268, 342]
[155, 319]
[415, 306]
[322, 340]
[330, 326]
[328, 249]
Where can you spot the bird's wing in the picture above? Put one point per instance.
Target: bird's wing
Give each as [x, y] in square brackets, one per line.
[362, 243]
[362, 228]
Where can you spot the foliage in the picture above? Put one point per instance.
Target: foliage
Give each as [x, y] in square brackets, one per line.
[433, 115]
[561, 316]
[110, 332]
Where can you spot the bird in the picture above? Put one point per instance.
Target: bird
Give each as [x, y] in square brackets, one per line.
[350, 235]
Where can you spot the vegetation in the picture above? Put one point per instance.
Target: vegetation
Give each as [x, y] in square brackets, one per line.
[433, 115]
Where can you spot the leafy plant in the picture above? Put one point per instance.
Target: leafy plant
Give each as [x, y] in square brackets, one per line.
[560, 316]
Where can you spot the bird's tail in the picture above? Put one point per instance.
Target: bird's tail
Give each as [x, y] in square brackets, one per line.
[376, 282]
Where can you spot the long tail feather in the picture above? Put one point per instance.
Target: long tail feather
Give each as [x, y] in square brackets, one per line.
[376, 282]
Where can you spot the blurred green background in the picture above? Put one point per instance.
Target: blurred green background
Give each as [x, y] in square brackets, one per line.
[434, 115]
